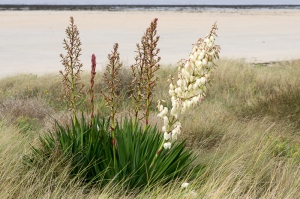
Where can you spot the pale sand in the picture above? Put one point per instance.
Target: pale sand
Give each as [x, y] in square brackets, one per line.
[31, 41]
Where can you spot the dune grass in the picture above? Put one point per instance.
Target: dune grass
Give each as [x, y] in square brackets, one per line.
[246, 132]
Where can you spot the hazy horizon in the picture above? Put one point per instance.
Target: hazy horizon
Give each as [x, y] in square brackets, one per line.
[152, 2]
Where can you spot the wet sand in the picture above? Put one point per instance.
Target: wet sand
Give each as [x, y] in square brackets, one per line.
[31, 41]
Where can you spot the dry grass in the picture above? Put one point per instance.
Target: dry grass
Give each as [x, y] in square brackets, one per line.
[246, 132]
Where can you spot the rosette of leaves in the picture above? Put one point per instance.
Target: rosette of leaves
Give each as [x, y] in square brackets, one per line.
[91, 152]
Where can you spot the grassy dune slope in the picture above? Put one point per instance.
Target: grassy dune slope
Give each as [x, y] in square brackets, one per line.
[247, 132]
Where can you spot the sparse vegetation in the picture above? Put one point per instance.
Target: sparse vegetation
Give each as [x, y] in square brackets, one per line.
[251, 155]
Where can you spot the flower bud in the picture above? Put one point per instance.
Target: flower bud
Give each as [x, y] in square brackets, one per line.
[164, 129]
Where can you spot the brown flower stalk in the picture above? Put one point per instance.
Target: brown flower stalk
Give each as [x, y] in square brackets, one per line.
[111, 76]
[93, 74]
[144, 70]
[72, 64]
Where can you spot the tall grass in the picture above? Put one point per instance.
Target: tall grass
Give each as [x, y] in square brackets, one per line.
[246, 132]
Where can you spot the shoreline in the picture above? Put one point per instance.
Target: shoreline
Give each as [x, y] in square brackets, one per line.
[127, 7]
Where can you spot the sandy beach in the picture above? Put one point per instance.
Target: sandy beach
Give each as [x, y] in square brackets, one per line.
[31, 41]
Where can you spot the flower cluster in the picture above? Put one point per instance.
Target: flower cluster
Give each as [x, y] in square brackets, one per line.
[191, 84]
[166, 129]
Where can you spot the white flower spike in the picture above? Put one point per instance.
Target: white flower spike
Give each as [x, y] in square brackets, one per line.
[190, 87]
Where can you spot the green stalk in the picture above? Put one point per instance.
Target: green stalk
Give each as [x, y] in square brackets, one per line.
[113, 141]
[73, 95]
[137, 104]
[147, 109]
[113, 123]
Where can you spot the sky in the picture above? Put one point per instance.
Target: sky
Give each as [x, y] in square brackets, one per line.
[155, 2]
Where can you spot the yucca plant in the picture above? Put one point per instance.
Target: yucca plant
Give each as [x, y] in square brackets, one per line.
[103, 150]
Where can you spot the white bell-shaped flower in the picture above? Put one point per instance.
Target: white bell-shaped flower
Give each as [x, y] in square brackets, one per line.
[179, 82]
[202, 80]
[166, 120]
[167, 136]
[171, 92]
[167, 145]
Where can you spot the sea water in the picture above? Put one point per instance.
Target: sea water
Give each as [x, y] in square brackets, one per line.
[152, 2]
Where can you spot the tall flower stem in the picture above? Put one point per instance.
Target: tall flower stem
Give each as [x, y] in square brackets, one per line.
[93, 74]
[144, 72]
[72, 64]
[112, 96]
